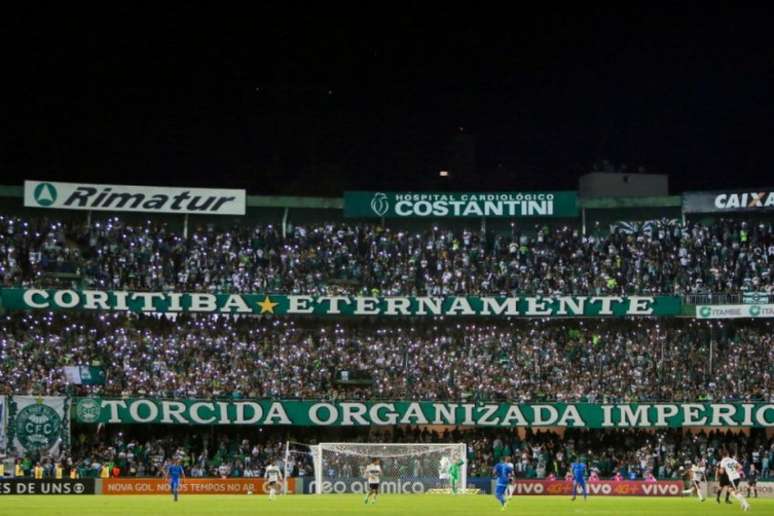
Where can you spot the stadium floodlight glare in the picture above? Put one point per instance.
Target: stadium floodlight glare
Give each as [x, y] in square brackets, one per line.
[406, 467]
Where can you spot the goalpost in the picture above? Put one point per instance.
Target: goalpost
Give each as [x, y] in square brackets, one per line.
[406, 468]
[297, 456]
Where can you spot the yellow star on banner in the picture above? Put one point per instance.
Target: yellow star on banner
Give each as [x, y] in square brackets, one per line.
[267, 306]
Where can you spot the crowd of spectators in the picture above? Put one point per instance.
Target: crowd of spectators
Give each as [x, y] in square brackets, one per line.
[516, 360]
[632, 454]
[360, 258]
[209, 356]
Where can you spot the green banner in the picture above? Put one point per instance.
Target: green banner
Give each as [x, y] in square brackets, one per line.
[460, 204]
[275, 304]
[329, 413]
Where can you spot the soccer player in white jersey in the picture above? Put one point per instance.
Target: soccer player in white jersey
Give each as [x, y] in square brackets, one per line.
[273, 477]
[373, 474]
[698, 474]
[512, 486]
[732, 468]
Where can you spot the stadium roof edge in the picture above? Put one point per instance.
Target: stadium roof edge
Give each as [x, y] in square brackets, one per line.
[280, 201]
[337, 203]
[11, 191]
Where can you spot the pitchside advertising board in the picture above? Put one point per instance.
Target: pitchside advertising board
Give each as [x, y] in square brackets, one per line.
[148, 199]
[160, 486]
[726, 201]
[47, 487]
[460, 204]
[604, 488]
[357, 485]
[419, 485]
[765, 489]
[505, 415]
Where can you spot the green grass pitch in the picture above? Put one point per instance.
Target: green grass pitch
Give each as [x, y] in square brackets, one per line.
[342, 505]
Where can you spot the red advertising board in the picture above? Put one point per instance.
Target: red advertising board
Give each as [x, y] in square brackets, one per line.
[130, 486]
[604, 488]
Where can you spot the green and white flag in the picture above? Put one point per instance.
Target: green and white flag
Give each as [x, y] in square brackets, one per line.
[755, 298]
[84, 375]
[39, 423]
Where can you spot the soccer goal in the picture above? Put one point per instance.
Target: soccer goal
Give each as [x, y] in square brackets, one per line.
[406, 468]
[299, 461]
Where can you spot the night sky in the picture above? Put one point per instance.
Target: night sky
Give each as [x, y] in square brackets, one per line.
[314, 103]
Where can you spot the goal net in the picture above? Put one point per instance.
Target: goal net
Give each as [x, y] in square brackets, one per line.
[299, 462]
[406, 468]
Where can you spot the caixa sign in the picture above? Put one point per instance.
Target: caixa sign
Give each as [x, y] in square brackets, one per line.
[761, 199]
[603, 488]
[414, 485]
[47, 487]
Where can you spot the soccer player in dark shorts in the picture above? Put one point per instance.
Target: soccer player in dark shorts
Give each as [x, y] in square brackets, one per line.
[723, 482]
[752, 481]
[174, 473]
[373, 473]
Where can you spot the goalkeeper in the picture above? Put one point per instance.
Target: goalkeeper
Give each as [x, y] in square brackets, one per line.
[454, 475]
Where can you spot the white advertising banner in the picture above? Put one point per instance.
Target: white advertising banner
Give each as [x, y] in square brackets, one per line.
[734, 311]
[765, 489]
[149, 199]
[761, 199]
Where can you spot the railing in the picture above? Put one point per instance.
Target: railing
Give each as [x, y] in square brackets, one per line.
[728, 299]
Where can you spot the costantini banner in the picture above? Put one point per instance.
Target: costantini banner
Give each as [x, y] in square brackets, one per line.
[150, 199]
[272, 304]
[762, 199]
[734, 311]
[325, 413]
[38, 423]
[604, 488]
[460, 204]
[3, 416]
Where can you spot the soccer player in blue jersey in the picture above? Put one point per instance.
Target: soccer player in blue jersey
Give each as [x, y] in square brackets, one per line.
[174, 472]
[503, 472]
[578, 479]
